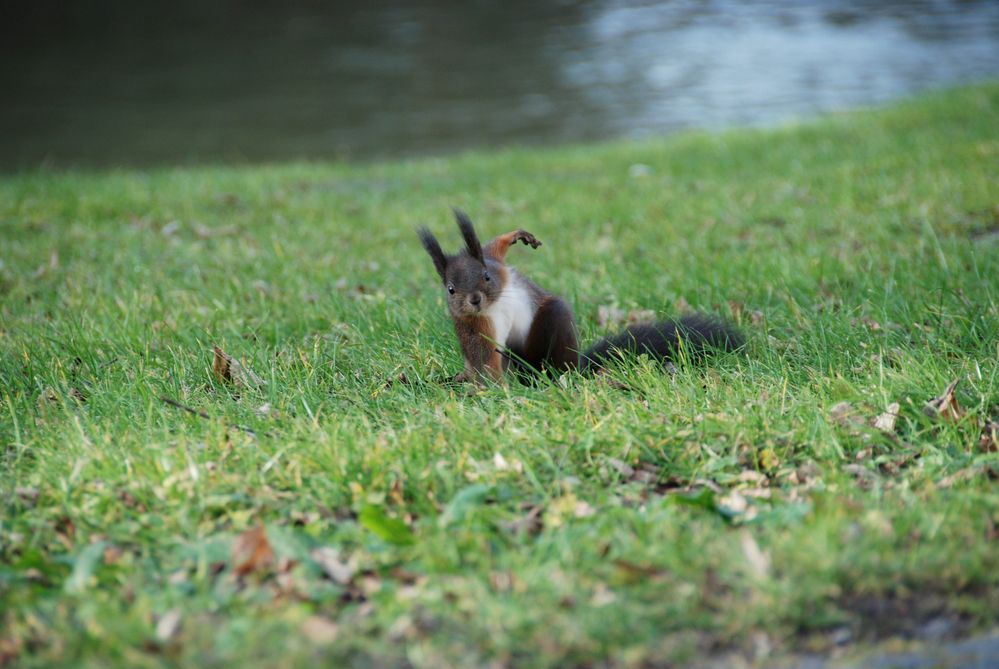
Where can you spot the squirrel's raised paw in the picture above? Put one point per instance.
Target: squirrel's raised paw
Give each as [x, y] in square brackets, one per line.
[528, 239]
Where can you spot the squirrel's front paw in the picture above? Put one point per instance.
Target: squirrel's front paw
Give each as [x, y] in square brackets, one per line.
[528, 239]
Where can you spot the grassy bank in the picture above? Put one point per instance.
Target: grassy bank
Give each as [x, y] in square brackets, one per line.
[748, 506]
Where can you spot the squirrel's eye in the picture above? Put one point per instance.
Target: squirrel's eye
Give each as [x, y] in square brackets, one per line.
[450, 289]
[487, 276]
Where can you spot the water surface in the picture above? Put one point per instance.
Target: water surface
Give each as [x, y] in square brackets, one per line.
[152, 83]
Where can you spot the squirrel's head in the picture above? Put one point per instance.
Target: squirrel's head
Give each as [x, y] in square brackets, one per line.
[472, 281]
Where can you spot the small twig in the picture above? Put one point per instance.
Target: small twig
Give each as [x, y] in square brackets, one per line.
[202, 414]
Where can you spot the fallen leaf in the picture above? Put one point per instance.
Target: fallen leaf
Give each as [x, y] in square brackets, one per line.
[989, 441]
[641, 316]
[329, 560]
[168, 626]
[957, 477]
[602, 595]
[647, 474]
[864, 476]
[751, 476]
[583, 510]
[65, 531]
[400, 378]
[735, 502]
[396, 493]
[229, 370]
[10, 649]
[844, 415]
[736, 308]
[27, 494]
[499, 462]
[320, 630]
[529, 524]
[945, 406]
[886, 421]
[46, 397]
[768, 459]
[623, 468]
[609, 315]
[252, 551]
[112, 554]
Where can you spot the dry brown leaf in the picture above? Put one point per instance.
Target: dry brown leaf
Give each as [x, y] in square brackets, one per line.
[945, 406]
[329, 560]
[623, 468]
[609, 314]
[583, 510]
[45, 398]
[864, 476]
[10, 649]
[989, 441]
[752, 477]
[612, 315]
[252, 551]
[734, 502]
[530, 524]
[736, 308]
[957, 477]
[229, 370]
[168, 626]
[396, 492]
[886, 421]
[844, 415]
[635, 572]
[641, 316]
[112, 554]
[646, 474]
[65, 531]
[768, 459]
[320, 630]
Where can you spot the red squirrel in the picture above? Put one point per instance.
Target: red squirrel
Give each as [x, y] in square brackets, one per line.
[505, 320]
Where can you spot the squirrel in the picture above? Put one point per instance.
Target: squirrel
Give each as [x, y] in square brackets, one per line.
[504, 320]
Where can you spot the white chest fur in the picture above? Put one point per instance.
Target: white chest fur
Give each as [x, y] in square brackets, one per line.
[512, 313]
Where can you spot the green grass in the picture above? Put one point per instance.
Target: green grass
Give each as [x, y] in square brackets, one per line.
[859, 253]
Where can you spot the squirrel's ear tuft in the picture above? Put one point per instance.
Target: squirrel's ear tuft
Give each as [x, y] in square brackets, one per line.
[468, 232]
[434, 249]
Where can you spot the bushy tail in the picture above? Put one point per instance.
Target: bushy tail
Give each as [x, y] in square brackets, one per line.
[694, 335]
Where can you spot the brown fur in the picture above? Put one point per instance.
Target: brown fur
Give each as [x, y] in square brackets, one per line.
[497, 248]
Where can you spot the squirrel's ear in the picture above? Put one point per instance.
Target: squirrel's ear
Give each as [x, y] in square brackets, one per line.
[434, 249]
[468, 232]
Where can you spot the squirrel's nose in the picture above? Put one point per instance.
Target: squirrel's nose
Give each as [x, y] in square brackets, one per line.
[475, 298]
